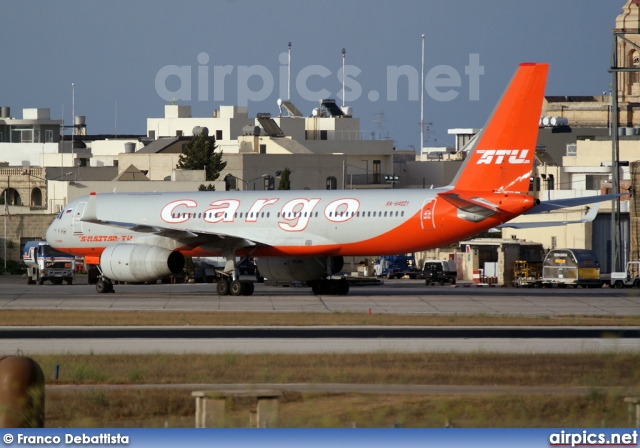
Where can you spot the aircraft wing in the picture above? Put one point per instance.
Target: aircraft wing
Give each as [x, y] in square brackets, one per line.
[588, 217]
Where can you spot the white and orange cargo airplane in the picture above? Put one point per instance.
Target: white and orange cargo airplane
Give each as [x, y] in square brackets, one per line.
[304, 235]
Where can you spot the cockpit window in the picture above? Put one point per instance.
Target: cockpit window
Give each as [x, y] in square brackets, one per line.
[63, 211]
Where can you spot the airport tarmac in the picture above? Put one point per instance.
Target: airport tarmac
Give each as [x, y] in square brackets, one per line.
[403, 296]
[395, 297]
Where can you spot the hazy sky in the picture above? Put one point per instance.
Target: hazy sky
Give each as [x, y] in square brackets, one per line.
[139, 54]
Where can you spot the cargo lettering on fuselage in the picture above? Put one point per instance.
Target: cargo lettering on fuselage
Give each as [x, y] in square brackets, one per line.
[294, 215]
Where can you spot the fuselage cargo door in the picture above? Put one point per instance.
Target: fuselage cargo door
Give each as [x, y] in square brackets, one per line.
[77, 217]
[427, 214]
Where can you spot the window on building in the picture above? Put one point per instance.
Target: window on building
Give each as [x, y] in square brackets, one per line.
[269, 183]
[48, 136]
[178, 133]
[594, 181]
[219, 135]
[152, 135]
[263, 149]
[332, 183]
[377, 170]
[22, 135]
[634, 62]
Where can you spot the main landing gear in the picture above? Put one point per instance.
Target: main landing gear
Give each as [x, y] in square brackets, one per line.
[229, 283]
[226, 285]
[330, 287]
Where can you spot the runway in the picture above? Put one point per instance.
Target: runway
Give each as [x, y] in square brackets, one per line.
[393, 297]
[208, 340]
[402, 296]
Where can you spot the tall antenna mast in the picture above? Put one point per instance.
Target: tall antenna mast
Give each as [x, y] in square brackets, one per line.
[73, 119]
[289, 74]
[115, 122]
[61, 147]
[344, 52]
[422, 100]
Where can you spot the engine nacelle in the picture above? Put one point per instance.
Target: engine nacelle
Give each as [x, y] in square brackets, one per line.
[297, 269]
[139, 262]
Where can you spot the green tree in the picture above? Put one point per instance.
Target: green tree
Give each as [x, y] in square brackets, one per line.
[285, 179]
[199, 153]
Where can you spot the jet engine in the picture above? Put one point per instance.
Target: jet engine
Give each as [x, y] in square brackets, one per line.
[298, 269]
[139, 262]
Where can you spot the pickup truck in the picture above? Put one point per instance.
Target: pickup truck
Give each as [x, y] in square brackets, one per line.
[439, 271]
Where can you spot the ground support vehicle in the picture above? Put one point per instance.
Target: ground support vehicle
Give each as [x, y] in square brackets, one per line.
[439, 271]
[527, 274]
[628, 279]
[571, 267]
[46, 263]
[396, 266]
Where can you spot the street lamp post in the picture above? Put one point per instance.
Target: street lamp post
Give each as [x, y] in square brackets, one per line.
[253, 180]
[247, 182]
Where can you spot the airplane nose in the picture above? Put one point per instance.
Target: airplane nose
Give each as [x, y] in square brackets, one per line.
[49, 236]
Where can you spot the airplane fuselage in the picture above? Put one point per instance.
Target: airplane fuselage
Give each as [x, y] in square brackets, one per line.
[282, 223]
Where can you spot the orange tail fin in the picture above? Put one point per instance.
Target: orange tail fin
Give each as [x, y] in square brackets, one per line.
[502, 159]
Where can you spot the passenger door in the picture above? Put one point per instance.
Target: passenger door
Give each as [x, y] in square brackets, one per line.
[77, 218]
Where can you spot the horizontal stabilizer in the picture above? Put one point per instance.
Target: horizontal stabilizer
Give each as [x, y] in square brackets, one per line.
[588, 217]
[556, 204]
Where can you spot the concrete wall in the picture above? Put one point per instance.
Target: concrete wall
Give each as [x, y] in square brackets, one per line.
[23, 226]
[18, 154]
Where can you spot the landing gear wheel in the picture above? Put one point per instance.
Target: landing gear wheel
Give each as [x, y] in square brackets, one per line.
[223, 287]
[317, 287]
[236, 288]
[102, 286]
[247, 288]
[342, 287]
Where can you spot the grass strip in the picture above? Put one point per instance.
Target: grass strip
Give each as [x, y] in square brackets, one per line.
[175, 318]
